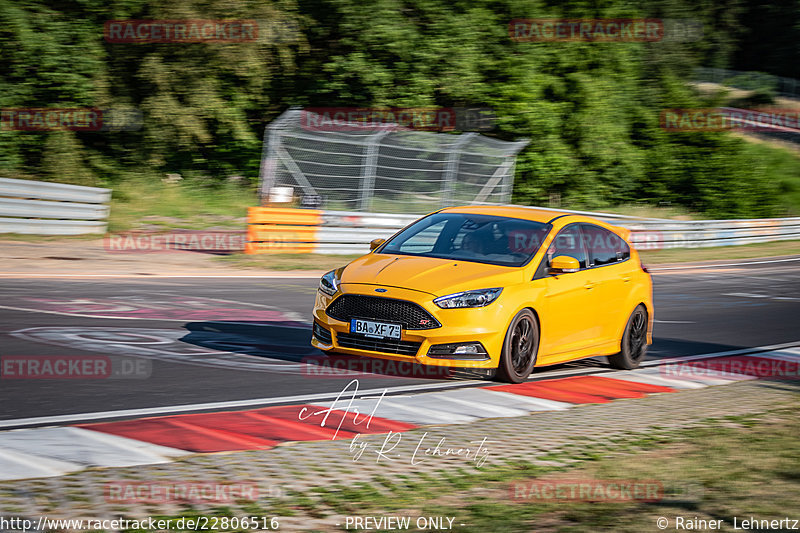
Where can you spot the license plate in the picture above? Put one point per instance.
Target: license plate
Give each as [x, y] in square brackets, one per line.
[378, 330]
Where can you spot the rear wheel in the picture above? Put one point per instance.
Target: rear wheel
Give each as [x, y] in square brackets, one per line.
[519, 348]
[634, 342]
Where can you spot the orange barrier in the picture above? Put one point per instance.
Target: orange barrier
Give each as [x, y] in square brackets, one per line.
[281, 230]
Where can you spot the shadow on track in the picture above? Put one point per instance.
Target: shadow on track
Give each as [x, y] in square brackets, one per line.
[291, 342]
[665, 348]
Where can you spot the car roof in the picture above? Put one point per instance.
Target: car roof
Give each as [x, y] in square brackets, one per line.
[535, 214]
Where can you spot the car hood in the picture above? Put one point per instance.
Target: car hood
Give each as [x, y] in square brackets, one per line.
[434, 276]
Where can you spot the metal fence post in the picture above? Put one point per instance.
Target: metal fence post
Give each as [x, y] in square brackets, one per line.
[451, 168]
[368, 172]
[508, 179]
[269, 162]
[269, 153]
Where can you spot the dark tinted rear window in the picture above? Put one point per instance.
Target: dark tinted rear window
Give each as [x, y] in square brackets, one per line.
[605, 247]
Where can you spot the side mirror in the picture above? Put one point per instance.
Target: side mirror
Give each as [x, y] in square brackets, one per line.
[563, 264]
[374, 243]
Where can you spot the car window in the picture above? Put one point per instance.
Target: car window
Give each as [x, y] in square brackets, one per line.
[470, 237]
[424, 241]
[568, 242]
[605, 247]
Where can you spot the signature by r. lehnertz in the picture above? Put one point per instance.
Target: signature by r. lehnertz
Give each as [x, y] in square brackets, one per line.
[425, 448]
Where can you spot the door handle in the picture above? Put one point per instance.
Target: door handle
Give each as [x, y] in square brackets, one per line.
[626, 279]
[589, 285]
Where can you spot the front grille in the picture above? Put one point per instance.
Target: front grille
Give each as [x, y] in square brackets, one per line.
[322, 334]
[347, 340]
[408, 314]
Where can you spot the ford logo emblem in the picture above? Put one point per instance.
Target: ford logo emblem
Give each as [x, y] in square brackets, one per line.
[380, 290]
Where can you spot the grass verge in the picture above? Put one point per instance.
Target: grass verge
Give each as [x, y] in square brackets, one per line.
[739, 467]
[135, 203]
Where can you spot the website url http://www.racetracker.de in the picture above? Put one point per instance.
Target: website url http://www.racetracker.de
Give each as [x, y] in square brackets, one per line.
[199, 523]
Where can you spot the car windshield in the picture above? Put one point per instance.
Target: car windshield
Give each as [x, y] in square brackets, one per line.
[467, 237]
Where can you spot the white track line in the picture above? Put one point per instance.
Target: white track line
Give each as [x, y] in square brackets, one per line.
[149, 276]
[306, 398]
[656, 269]
[82, 315]
[749, 351]
[175, 409]
[760, 296]
[152, 319]
[290, 315]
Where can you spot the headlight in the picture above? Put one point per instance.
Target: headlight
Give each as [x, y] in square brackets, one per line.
[329, 283]
[479, 298]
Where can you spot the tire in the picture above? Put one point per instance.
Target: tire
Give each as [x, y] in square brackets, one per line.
[633, 347]
[519, 348]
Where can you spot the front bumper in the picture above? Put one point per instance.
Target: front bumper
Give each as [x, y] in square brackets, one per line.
[485, 325]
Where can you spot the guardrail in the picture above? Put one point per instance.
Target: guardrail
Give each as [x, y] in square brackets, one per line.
[343, 232]
[45, 208]
[656, 235]
[748, 80]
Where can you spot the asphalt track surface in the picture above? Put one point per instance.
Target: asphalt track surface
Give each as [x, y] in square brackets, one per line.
[178, 342]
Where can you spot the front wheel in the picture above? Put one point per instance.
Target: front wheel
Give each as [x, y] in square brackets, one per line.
[634, 342]
[519, 348]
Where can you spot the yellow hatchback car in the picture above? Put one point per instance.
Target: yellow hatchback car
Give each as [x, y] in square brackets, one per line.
[506, 288]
